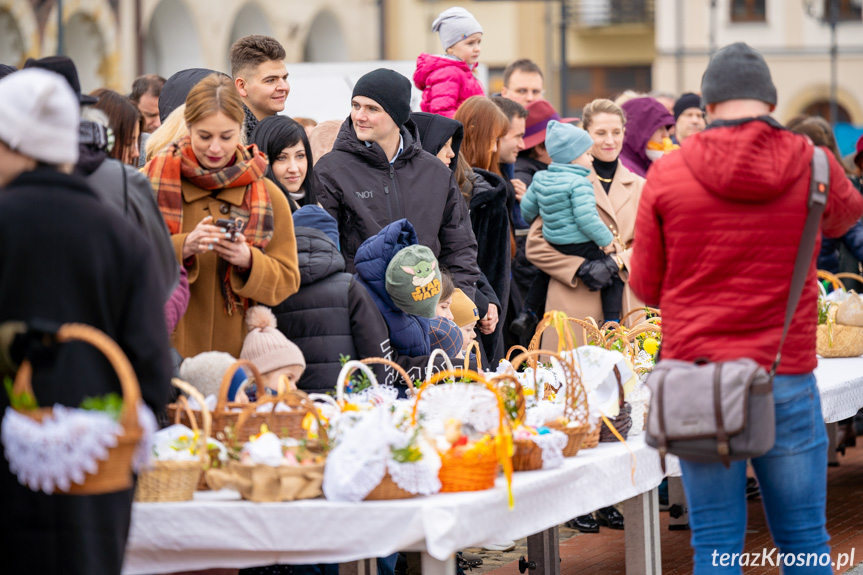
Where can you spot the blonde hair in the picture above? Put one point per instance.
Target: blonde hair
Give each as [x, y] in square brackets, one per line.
[322, 138]
[629, 95]
[173, 128]
[215, 93]
[601, 106]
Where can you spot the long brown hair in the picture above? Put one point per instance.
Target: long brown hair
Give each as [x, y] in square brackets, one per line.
[821, 134]
[484, 124]
[123, 116]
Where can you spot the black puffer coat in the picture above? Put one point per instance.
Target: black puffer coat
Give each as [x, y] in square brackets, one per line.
[332, 315]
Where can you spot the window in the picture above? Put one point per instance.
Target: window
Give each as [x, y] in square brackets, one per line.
[749, 10]
[847, 10]
[822, 108]
[588, 83]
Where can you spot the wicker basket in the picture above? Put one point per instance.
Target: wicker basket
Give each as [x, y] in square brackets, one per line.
[591, 439]
[282, 423]
[837, 340]
[526, 454]
[115, 472]
[622, 422]
[177, 480]
[264, 483]
[575, 403]
[475, 347]
[387, 489]
[473, 468]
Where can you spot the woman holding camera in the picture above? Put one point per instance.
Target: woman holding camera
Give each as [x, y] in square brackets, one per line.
[231, 227]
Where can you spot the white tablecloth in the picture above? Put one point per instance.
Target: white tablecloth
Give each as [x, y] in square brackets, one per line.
[840, 382]
[214, 532]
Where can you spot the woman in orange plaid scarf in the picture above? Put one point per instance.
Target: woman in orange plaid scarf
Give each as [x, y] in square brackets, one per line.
[232, 228]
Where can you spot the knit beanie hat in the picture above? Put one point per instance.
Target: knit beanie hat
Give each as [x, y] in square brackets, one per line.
[39, 116]
[686, 101]
[463, 309]
[316, 217]
[737, 72]
[206, 370]
[266, 346]
[565, 142]
[445, 335]
[454, 25]
[413, 280]
[389, 89]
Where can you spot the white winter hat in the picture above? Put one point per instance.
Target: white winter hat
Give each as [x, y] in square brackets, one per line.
[206, 370]
[454, 25]
[39, 116]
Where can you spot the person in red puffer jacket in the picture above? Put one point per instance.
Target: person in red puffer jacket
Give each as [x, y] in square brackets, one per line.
[448, 80]
[719, 223]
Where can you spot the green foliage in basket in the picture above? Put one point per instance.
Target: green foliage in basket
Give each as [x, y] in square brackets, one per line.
[357, 383]
[110, 404]
[824, 311]
[410, 453]
[23, 401]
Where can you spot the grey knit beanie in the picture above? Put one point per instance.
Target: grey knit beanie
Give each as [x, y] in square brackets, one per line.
[737, 72]
[454, 25]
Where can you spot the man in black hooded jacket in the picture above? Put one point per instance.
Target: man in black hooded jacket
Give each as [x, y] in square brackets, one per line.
[378, 173]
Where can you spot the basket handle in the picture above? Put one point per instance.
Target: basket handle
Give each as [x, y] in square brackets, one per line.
[430, 367]
[399, 369]
[347, 369]
[500, 381]
[849, 275]
[293, 398]
[575, 394]
[206, 417]
[473, 346]
[833, 279]
[222, 401]
[115, 356]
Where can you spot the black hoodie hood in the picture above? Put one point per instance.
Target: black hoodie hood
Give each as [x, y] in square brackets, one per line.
[178, 86]
[435, 130]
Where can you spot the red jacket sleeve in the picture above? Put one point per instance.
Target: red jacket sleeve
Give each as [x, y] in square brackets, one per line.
[844, 203]
[647, 265]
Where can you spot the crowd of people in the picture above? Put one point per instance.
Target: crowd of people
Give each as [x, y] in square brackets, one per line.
[194, 222]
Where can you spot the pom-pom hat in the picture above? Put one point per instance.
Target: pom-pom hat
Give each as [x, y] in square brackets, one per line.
[266, 346]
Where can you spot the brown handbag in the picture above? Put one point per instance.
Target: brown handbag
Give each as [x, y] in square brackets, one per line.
[722, 412]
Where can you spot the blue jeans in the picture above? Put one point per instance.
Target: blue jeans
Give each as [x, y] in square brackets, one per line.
[792, 477]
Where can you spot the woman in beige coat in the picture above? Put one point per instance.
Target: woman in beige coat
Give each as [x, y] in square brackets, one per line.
[617, 192]
[249, 257]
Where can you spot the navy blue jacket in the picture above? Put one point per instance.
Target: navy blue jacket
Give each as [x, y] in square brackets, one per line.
[409, 334]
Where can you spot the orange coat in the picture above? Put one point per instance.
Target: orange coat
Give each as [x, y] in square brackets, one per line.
[273, 277]
[566, 293]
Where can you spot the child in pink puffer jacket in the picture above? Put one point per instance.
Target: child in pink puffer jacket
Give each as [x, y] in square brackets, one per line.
[448, 80]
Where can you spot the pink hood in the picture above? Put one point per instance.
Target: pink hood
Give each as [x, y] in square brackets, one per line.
[446, 83]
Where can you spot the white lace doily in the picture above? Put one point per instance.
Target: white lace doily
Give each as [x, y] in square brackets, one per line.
[542, 413]
[359, 462]
[552, 445]
[468, 403]
[419, 477]
[61, 449]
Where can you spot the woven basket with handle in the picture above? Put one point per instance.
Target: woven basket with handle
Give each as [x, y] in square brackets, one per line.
[115, 472]
[178, 480]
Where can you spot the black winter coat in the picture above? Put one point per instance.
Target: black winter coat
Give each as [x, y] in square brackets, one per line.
[65, 257]
[490, 221]
[364, 192]
[332, 315]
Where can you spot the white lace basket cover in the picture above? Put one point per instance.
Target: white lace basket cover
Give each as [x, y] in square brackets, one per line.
[67, 445]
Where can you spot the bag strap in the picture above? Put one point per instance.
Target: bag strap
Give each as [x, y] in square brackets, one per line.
[819, 186]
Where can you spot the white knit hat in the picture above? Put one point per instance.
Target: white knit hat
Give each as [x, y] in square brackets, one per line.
[39, 116]
[454, 25]
[266, 346]
[206, 370]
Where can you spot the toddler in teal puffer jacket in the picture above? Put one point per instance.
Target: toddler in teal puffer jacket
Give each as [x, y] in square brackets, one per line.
[563, 196]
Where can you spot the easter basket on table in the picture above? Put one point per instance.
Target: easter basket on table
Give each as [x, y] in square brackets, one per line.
[378, 453]
[840, 319]
[226, 415]
[78, 451]
[272, 469]
[466, 417]
[177, 479]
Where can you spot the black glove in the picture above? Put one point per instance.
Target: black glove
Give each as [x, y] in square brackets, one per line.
[598, 274]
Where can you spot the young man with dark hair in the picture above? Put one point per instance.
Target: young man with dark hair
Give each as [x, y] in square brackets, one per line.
[145, 95]
[259, 72]
[378, 173]
[523, 82]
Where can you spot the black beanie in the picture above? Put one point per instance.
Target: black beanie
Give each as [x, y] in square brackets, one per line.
[737, 72]
[686, 101]
[389, 89]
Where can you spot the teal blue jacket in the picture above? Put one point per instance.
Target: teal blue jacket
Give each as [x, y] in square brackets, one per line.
[563, 196]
